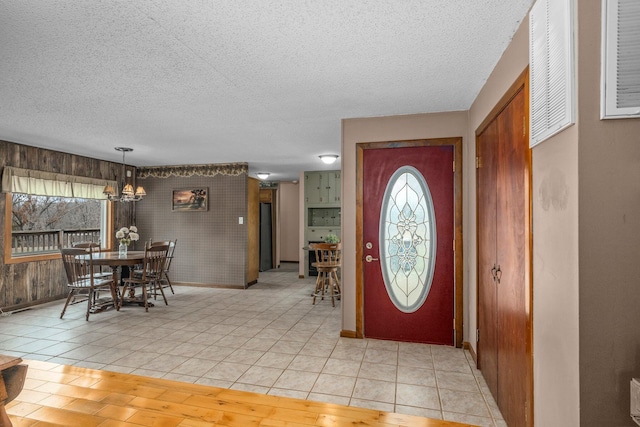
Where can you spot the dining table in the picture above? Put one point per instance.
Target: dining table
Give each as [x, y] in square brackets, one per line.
[115, 260]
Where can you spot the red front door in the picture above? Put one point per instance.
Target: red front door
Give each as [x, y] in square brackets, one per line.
[408, 265]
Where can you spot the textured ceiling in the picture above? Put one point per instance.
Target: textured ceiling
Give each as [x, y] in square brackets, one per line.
[259, 81]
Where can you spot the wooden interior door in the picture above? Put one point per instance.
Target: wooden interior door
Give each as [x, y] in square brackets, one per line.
[512, 279]
[487, 152]
[504, 258]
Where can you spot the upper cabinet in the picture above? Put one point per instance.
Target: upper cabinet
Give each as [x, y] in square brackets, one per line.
[322, 188]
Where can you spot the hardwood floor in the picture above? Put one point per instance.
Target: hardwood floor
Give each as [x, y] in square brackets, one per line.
[61, 395]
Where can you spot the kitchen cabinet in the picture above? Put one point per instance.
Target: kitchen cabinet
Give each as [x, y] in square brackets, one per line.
[321, 207]
[322, 188]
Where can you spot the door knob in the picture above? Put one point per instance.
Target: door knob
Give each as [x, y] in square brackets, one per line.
[369, 258]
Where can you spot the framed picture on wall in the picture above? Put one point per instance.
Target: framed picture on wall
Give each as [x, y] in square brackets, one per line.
[190, 200]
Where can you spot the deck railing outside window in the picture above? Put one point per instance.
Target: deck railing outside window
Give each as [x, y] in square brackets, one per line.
[40, 242]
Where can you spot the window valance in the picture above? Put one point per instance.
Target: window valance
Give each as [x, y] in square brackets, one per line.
[40, 183]
[228, 169]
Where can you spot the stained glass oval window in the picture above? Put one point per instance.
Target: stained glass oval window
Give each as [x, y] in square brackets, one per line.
[407, 239]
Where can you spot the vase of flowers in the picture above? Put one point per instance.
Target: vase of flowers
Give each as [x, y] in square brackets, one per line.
[126, 236]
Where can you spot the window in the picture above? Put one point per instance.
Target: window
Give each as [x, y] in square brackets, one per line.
[46, 210]
[620, 87]
[41, 224]
[407, 239]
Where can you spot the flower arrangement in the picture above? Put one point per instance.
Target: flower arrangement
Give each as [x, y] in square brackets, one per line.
[126, 235]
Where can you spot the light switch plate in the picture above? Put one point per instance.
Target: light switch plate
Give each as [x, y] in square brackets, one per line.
[240, 220]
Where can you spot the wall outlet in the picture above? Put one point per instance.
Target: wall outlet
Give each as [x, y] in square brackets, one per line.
[240, 220]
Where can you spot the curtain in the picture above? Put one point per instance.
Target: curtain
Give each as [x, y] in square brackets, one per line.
[29, 181]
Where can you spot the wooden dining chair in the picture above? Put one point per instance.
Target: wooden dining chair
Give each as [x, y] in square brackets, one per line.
[148, 281]
[82, 281]
[328, 260]
[167, 266]
[164, 279]
[94, 247]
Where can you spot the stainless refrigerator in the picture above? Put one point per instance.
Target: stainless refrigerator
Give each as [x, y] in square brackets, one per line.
[266, 252]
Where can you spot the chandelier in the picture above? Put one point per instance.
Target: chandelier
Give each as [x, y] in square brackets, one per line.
[126, 194]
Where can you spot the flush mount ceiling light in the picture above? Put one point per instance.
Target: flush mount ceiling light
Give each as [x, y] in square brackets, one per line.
[126, 192]
[329, 158]
[263, 175]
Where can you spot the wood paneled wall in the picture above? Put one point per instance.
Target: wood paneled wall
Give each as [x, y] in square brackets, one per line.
[29, 283]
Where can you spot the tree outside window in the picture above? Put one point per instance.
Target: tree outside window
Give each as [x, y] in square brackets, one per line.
[42, 224]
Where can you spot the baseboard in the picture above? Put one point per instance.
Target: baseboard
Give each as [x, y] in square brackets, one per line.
[301, 276]
[207, 285]
[26, 306]
[348, 334]
[467, 346]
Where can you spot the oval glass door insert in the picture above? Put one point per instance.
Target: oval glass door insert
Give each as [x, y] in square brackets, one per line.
[407, 239]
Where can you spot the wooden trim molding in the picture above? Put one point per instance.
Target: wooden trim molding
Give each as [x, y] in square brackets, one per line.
[7, 228]
[349, 334]
[467, 346]
[522, 80]
[456, 142]
[520, 84]
[8, 259]
[359, 241]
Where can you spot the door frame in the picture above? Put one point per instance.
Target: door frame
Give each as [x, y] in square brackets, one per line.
[456, 142]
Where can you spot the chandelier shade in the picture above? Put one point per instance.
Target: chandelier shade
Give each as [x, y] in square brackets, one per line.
[126, 194]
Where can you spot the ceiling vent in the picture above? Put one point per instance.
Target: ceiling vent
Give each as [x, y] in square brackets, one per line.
[551, 62]
[620, 94]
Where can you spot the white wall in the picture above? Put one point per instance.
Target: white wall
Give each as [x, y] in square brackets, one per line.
[586, 236]
[513, 62]
[556, 281]
[556, 376]
[555, 204]
[609, 242]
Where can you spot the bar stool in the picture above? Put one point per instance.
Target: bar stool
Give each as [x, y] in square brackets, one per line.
[328, 260]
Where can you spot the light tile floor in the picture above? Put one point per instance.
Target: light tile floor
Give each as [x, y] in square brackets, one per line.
[268, 339]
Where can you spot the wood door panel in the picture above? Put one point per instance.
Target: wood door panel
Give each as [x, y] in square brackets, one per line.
[512, 219]
[504, 238]
[486, 199]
